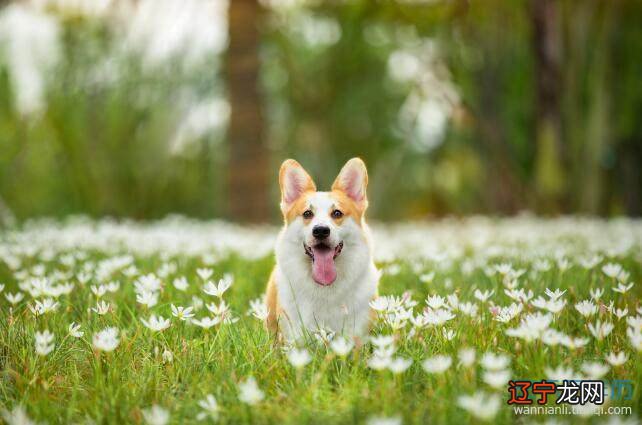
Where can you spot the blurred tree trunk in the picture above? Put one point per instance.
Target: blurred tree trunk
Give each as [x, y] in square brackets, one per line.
[598, 132]
[550, 179]
[248, 156]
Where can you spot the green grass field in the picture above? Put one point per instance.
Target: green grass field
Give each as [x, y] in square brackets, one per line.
[74, 382]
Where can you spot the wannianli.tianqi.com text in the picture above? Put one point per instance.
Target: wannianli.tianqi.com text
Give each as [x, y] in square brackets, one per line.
[573, 410]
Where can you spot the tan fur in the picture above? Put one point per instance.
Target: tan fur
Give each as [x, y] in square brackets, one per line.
[272, 303]
[347, 206]
[297, 208]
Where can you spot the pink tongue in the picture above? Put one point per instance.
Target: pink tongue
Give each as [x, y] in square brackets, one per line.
[323, 269]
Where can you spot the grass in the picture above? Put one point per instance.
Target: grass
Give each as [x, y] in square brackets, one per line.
[75, 383]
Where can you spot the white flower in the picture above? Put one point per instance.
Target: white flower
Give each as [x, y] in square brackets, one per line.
[99, 290]
[399, 365]
[147, 298]
[156, 323]
[44, 342]
[483, 296]
[113, 286]
[590, 262]
[595, 370]
[427, 277]
[106, 340]
[168, 356]
[617, 359]
[519, 294]
[379, 362]
[204, 273]
[44, 306]
[542, 265]
[258, 309]
[438, 317]
[218, 310]
[249, 392]
[341, 346]
[74, 330]
[469, 309]
[600, 330]
[182, 313]
[573, 343]
[597, 293]
[210, 408]
[453, 301]
[207, 322]
[622, 288]
[398, 319]
[435, 302]
[620, 313]
[553, 305]
[635, 321]
[380, 420]
[492, 361]
[156, 415]
[506, 314]
[497, 379]
[299, 357]
[466, 357]
[504, 268]
[147, 283]
[554, 295]
[612, 270]
[449, 334]
[101, 308]
[560, 373]
[552, 337]
[437, 364]
[586, 308]
[635, 337]
[14, 298]
[217, 290]
[180, 283]
[539, 302]
[480, 405]
[379, 304]
[382, 340]
[531, 326]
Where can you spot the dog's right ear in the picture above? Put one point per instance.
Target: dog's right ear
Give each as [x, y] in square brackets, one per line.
[294, 182]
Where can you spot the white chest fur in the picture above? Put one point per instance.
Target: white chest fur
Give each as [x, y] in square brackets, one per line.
[342, 307]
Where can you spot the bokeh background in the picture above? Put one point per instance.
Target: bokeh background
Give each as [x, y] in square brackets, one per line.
[142, 108]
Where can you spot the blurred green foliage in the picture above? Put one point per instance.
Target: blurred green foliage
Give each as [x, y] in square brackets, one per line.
[335, 85]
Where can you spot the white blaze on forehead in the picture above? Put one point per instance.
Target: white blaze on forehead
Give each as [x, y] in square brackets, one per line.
[321, 203]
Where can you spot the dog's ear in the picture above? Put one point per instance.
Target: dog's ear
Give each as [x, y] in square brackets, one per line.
[294, 182]
[353, 180]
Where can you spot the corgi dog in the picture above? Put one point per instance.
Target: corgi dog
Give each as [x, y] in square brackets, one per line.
[325, 276]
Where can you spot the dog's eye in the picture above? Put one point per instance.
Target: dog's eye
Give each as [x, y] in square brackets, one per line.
[337, 214]
[308, 214]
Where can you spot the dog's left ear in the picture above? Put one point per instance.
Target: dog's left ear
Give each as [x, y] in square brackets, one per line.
[353, 180]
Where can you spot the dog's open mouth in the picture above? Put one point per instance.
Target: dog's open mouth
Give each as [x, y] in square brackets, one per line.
[324, 270]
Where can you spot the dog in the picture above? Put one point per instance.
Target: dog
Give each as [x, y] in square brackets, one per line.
[325, 276]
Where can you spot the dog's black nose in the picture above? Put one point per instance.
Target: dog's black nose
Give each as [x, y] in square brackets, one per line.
[320, 232]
